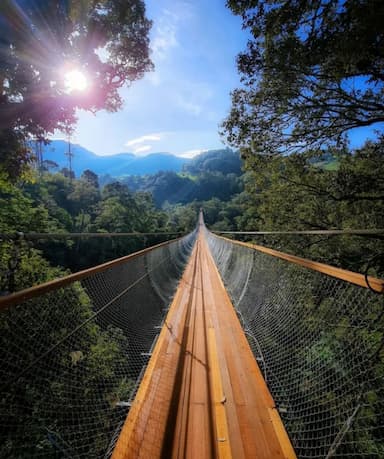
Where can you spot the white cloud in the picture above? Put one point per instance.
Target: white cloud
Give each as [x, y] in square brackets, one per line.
[195, 98]
[164, 37]
[154, 78]
[143, 139]
[188, 106]
[191, 153]
[145, 143]
[142, 149]
[168, 24]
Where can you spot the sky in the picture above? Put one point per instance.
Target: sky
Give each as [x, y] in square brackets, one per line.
[179, 106]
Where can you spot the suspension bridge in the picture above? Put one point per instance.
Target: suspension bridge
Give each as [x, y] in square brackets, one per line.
[200, 347]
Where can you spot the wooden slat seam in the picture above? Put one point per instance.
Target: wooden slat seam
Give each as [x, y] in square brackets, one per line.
[223, 444]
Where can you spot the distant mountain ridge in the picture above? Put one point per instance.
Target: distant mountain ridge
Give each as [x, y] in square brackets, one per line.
[118, 165]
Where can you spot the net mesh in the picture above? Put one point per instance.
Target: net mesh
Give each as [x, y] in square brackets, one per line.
[319, 341]
[72, 359]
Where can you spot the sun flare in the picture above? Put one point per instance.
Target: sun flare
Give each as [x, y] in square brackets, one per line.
[75, 80]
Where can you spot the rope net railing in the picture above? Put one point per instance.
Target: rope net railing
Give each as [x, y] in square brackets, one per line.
[319, 341]
[73, 353]
[71, 251]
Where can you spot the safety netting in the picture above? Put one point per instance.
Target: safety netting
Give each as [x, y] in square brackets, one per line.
[71, 359]
[319, 341]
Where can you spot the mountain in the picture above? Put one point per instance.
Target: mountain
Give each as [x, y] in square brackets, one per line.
[156, 162]
[119, 165]
[212, 174]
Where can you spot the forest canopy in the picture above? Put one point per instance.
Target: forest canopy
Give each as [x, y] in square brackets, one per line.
[312, 71]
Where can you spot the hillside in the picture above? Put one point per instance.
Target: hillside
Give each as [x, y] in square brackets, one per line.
[224, 161]
[212, 174]
[118, 165]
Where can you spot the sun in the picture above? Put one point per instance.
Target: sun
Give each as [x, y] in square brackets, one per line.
[75, 80]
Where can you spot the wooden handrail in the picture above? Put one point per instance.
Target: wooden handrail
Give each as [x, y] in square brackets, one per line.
[354, 278]
[37, 290]
[345, 232]
[33, 236]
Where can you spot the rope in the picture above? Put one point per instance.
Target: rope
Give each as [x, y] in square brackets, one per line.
[31, 236]
[343, 431]
[369, 266]
[85, 322]
[362, 280]
[321, 338]
[329, 232]
[74, 350]
[38, 290]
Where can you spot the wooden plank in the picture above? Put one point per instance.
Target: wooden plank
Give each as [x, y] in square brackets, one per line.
[203, 395]
[223, 443]
[155, 390]
[260, 438]
[285, 442]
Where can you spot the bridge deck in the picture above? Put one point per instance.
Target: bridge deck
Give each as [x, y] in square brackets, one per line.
[202, 395]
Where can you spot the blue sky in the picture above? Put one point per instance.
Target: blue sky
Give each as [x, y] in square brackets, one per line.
[178, 107]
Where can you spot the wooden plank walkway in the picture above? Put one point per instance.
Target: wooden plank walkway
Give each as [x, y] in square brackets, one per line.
[202, 395]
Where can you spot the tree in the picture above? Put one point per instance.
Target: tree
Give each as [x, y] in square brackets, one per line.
[14, 155]
[41, 41]
[90, 177]
[313, 70]
[49, 165]
[296, 192]
[83, 197]
[183, 217]
[118, 190]
[224, 161]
